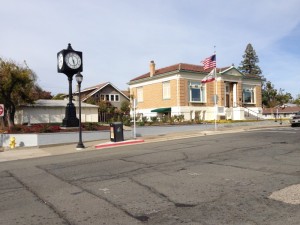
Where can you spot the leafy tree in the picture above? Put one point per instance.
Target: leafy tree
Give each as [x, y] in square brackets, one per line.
[269, 94]
[271, 97]
[91, 101]
[297, 100]
[283, 98]
[59, 96]
[104, 106]
[125, 107]
[17, 85]
[249, 64]
[39, 93]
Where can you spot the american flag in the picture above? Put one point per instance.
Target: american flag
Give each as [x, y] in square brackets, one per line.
[209, 62]
[209, 77]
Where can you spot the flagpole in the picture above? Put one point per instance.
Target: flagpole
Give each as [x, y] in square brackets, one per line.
[216, 104]
[210, 62]
[216, 88]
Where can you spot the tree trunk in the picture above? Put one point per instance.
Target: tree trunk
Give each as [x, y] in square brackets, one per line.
[2, 124]
[10, 115]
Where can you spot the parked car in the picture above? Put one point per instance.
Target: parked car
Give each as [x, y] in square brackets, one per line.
[295, 120]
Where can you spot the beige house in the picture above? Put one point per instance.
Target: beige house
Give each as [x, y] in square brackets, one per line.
[178, 90]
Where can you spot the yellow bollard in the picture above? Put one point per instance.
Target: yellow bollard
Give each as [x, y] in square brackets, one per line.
[12, 143]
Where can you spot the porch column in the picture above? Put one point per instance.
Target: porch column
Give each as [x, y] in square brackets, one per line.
[234, 95]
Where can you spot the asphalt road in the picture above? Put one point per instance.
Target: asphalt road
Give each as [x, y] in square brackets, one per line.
[208, 180]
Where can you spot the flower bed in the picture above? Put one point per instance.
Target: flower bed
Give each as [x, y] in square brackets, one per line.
[51, 128]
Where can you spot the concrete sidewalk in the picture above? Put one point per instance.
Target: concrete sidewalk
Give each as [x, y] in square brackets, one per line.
[26, 153]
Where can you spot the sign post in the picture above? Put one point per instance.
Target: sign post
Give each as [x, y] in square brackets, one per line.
[134, 122]
[1, 110]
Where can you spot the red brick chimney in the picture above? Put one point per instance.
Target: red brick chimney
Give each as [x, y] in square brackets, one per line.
[152, 68]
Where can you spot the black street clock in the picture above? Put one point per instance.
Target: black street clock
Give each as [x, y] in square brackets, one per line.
[69, 61]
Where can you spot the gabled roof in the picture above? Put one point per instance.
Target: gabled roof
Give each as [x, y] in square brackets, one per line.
[57, 103]
[231, 71]
[185, 67]
[98, 87]
[94, 87]
[176, 67]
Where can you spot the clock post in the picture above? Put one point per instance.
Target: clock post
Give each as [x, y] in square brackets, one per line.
[69, 62]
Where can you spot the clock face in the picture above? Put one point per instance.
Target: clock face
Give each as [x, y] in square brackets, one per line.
[60, 60]
[73, 60]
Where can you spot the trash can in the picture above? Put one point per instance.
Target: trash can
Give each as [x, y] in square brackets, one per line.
[116, 132]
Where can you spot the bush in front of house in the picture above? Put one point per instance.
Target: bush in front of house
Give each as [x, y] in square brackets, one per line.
[126, 120]
[154, 119]
[34, 128]
[90, 126]
[52, 128]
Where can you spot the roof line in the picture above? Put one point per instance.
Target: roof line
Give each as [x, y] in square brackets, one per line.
[100, 88]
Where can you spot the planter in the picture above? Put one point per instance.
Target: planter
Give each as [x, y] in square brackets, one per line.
[43, 139]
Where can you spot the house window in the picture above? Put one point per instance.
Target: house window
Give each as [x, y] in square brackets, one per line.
[197, 92]
[248, 95]
[140, 97]
[111, 97]
[166, 90]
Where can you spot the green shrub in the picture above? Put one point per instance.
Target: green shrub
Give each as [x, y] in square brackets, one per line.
[126, 120]
[172, 119]
[144, 119]
[154, 119]
[47, 128]
[164, 119]
[90, 126]
[181, 118]
[141, 123]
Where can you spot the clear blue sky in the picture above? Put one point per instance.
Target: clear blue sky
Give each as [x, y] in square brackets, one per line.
[119, 38]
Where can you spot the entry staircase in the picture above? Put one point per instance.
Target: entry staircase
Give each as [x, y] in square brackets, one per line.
[241, 113]
[251, 114]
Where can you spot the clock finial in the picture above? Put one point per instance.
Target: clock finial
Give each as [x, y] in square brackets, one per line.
[69, 47]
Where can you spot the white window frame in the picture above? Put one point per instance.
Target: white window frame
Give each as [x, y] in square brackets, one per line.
[250, 89]
[140, 94]
[102, 97]
[112, 98]
[202, 89]
[166, 90]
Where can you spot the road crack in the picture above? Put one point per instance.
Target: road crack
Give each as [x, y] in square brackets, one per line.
[40, 199]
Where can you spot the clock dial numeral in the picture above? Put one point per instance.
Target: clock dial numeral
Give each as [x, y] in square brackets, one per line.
[60, 61]
[73, 60]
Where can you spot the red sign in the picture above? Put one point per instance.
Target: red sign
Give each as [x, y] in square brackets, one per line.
[1, 110]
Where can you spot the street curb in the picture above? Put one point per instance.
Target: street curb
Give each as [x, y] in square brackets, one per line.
[113, 144]
[29, 152]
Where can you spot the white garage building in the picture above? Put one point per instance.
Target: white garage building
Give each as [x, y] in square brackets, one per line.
[53, 111]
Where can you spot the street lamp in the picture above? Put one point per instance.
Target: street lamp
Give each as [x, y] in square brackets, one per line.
[79, 79]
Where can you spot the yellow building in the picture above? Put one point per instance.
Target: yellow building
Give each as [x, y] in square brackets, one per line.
[178, 90]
